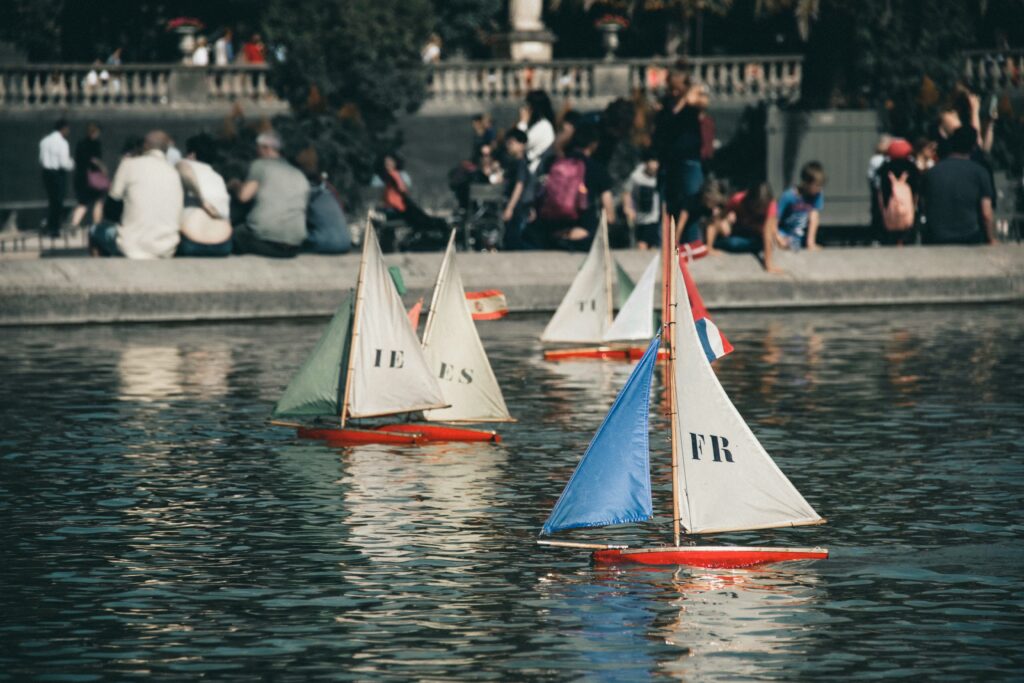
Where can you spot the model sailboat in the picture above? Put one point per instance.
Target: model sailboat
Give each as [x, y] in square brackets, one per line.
[456, 355]
[722, 478]
[368, 364]
[586, 314]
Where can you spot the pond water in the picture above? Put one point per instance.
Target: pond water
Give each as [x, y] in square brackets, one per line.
[154, 526]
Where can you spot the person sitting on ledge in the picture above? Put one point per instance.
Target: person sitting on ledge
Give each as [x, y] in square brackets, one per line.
[800, 209]
[276, 225]
[153, 199]
[958, 196]
[327, 229]
[749, 225]
[205, 224]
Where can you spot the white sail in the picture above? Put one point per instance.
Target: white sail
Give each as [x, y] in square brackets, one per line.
[456, 356]
[635, 321]
[726, 481]
[586, 310]
[389, 373]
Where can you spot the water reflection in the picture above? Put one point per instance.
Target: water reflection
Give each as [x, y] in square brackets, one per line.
[155, 374]
[744, 623]
[690, 624]
[153, 521]
[424, 504]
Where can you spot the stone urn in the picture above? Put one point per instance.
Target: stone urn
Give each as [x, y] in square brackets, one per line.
[187, 44]
[610, 38]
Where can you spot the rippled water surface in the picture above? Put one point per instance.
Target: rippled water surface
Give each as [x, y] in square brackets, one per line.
[153, 526]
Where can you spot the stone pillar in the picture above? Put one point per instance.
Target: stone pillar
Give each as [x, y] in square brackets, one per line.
[529, 40]
[187, 86]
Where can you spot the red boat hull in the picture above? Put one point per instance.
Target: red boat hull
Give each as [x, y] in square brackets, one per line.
[404, 433]
[352, 437]
[437, 432]
[623, 353]
[719, 557]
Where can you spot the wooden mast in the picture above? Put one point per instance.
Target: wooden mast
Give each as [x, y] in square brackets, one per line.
[603, 228]
[671, 325]
[437, 288]
[355, 323]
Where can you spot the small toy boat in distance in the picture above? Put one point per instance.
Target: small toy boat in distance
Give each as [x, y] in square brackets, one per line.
[586, 313]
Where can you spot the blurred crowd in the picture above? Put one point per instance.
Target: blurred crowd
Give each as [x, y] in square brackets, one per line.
[551, 178]
[163, 202]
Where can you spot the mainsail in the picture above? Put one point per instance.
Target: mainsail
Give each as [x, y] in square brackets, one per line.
[726, 481]
[635, 320]
[586, 310]
[316, 388]
[389, 372]
[612, 483]
[453, 350]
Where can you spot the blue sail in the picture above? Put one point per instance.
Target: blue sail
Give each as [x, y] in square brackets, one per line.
[612, 483]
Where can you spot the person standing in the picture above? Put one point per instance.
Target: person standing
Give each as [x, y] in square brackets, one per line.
[201, 55]
[91, 180]
[224, 49]
[537, 120]
[254, 51]
[518, 191]
[677, 141]
[55, 158]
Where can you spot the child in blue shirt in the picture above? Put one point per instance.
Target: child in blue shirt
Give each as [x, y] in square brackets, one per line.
[800, 209]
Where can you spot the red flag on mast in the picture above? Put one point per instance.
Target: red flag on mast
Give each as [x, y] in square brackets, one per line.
[711, 338]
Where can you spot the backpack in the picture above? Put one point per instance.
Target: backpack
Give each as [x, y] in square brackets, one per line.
[565, 195]
[898, 214]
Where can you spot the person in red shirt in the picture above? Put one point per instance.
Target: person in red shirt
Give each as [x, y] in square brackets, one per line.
[254, 51]
[749, 225]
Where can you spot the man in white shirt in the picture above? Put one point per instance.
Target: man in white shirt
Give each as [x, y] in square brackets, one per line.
[55, 158]
[153, 201]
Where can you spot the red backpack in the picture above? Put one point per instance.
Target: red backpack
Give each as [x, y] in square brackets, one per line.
[898, 214]
[565, 194]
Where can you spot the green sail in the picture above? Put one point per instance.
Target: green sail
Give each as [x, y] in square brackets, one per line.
[316, 387]
[625, 287]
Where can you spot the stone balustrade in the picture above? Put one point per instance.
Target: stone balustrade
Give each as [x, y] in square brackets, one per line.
[994, 71]
[732, 79]
[738, 79]
[132, 85]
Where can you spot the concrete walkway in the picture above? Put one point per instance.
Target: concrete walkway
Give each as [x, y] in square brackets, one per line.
[83, 290]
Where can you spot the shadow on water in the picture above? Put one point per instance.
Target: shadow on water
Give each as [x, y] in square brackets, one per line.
[155, 526]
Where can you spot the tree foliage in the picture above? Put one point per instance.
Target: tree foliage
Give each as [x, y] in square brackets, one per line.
[465, 26]
[348, 68]
[880, 53]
